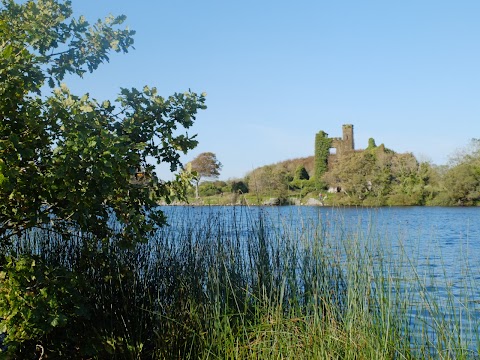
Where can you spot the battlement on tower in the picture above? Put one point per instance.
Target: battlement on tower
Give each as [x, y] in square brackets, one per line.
[346, 143]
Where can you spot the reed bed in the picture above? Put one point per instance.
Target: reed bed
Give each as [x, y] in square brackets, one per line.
[242, 284]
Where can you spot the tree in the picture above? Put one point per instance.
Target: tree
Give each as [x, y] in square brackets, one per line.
[301, 173]
[468, 154]
[371, 144]
[205, 165]
[462, 180]
[462, 184]
[271, 180]
[67, 161]
[239, 187]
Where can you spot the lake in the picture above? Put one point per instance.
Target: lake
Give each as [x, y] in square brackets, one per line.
[435, 251]
[446, 237]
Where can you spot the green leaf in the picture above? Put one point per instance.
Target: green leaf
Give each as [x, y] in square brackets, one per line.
[86, 108]
[7, 51]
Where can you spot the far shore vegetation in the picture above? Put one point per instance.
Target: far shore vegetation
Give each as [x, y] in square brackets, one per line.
[373, 177]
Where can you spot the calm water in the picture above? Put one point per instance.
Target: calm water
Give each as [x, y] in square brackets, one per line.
[437, 250]
[434, 236]
[441, 238]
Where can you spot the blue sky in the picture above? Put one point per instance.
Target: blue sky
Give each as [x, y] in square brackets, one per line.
[406, 73]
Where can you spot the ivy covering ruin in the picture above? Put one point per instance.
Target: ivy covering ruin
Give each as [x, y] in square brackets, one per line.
[322, 150]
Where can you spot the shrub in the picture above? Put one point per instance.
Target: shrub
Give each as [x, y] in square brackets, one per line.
[43, 307]
[301, 173]
[210, 188]
[239, 187]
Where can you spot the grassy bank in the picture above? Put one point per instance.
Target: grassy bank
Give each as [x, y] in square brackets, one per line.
[227, 285]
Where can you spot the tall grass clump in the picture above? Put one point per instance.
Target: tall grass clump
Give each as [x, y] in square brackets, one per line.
[229, 283]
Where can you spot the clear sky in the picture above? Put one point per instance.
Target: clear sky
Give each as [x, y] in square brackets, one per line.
[406, 73]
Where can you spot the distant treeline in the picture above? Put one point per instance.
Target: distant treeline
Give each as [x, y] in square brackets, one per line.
[373, 177]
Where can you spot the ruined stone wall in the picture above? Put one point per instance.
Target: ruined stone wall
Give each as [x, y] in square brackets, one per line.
[323, 159]
[346, 143]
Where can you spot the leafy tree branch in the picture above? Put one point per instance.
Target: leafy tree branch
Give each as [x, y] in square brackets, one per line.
[66, 160]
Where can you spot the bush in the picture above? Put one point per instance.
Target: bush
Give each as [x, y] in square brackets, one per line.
[306, 186]
[239, 187]
[43, 308]
[301, 173]
[211, 188]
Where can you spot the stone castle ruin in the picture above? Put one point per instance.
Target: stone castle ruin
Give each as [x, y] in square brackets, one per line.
[330, 150]
[346, 144]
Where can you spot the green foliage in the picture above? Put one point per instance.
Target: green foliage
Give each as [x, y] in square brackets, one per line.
[375, 177]
[378, 177]
[205, 165]
[270, 180]
[462, 180]
[239, 187]
[42, 306]
[69, 160]
[462, 183]
[322, 150]
[276, 179]
[305, 187]
[371, 144]
[210, 188]
[79, 171]
[301, 173]
[213, 188]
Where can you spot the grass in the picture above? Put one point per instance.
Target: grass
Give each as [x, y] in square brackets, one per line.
[238, 283]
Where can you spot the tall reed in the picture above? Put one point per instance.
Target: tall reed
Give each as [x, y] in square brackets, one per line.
[240, 283]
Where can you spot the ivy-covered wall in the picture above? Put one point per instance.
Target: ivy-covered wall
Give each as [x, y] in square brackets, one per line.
[322, 150]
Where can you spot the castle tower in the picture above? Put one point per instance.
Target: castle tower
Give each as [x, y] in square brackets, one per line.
[348, 143]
